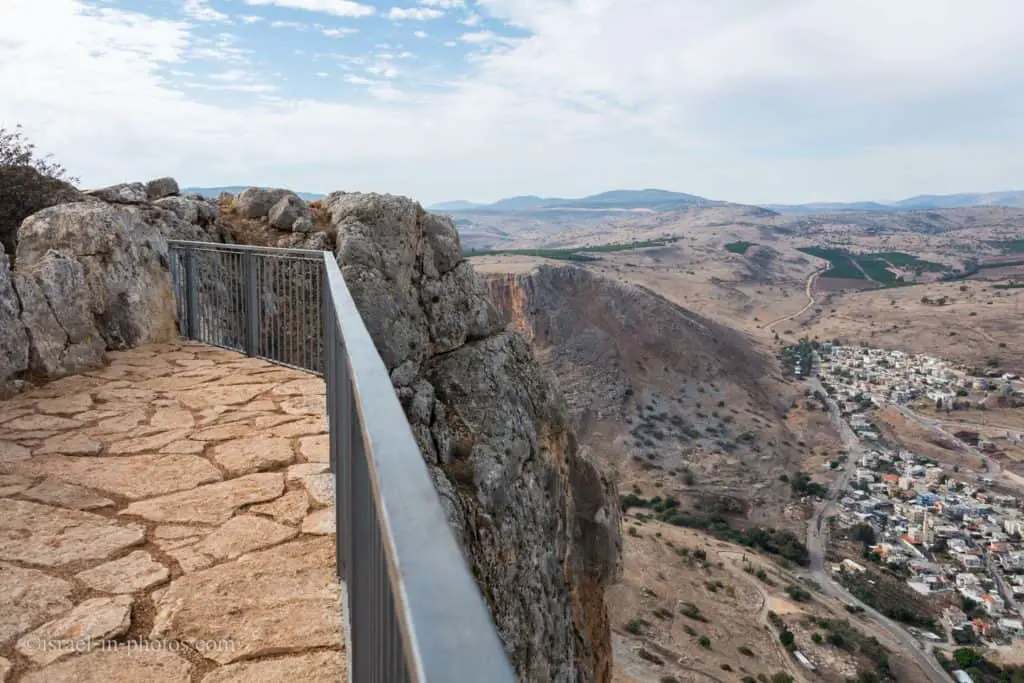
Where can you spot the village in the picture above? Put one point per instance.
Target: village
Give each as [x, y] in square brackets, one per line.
[947, 534]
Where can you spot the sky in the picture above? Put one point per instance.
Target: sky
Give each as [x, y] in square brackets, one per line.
[744, 100]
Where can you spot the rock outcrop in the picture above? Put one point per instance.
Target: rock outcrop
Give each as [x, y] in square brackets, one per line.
[536, 518]
[92, 275]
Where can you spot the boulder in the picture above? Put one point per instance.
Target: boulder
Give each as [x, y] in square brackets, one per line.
[62, 332]
[161, 187]
[122, 193]
[13, 337]
[536, 518]
[185, 209]
[287, 211]
[126, 284]
[302, 224]
[256, 202]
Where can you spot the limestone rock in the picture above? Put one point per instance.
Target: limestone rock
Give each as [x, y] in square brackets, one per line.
[314, 667]
[159, 188]
[30, 597]
[62, 494]
[315, 448]
[94, 620]
[13, 484]
[286, 211]
[122, 664]
[320, 522]
[127, 286]
[14, 342]
[288, 509]
[49, 536]
[163, 473]
[185, 209]
[136, 571]
[243, 534]
[275, 601]
[303, 224]
[210, 504]
[73, 443]
[122, 193]
[536, 519]
[253, 454]
[5, 669]
[256, 202]
[320, 488]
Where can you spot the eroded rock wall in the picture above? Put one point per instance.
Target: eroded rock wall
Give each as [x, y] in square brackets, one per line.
[92, 275]
[537, 519]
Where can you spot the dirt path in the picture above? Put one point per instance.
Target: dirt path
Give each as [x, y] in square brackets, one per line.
[808, 292]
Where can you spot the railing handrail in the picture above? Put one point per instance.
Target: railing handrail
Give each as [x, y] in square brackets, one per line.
[217, 246]
[450, 636]
[416, 614]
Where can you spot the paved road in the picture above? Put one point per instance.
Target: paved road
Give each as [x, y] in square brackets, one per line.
[992, 467]
[817, 539]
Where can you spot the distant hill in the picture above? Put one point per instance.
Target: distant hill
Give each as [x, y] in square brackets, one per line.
[457, 205]
[654, 200]
[925, 202]
[235, 189]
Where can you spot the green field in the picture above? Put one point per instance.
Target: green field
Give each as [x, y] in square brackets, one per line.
[574, 253]
[840, 263]
[843, 264]
[1010, 246]
[739, 247]
[909, 261]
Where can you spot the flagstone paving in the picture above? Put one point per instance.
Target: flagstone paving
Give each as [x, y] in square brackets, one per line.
[168, 518]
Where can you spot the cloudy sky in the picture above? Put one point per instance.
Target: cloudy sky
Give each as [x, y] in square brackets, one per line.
[745, 100]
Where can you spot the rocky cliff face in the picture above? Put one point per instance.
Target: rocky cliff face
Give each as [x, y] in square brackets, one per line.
[92, 275]
[536, 518]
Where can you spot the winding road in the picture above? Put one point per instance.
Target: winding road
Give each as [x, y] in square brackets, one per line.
[808, 291]
[817, 540]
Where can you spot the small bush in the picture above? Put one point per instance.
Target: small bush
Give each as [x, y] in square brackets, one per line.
[704, 642]
[28, 183]
[637, 627]
[643, 653]
[745, 651]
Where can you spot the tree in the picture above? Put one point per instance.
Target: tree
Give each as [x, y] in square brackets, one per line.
[787, 638]
[28, 183]
[967, 657]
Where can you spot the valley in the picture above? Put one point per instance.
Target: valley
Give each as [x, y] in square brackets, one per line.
[664, 330]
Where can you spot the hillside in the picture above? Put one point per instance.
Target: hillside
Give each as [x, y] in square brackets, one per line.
[671, 399]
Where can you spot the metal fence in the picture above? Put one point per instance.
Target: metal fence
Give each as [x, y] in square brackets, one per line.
[415, 614]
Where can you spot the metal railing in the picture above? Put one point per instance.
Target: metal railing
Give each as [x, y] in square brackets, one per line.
[415, 614]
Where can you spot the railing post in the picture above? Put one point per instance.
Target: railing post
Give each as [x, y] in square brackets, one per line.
[251, 292]
[191, 298]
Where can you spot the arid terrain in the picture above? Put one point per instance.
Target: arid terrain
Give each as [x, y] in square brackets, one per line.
[664, 330]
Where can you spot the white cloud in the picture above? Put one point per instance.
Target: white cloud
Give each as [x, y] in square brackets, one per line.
[200, 11]
[414, 14]
[382, 69]
[297, 25]
[481, 37]
[338, 32]
[322, 74]
[443, 4]
[421, 34]
[450, 43]
[358, 80]
[341, 8]
[471, 19]
[250, 19]
[792, 100]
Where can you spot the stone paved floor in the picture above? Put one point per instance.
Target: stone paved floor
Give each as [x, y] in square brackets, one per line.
[168, 518]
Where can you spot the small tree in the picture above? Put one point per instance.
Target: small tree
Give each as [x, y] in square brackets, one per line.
[28, 183]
